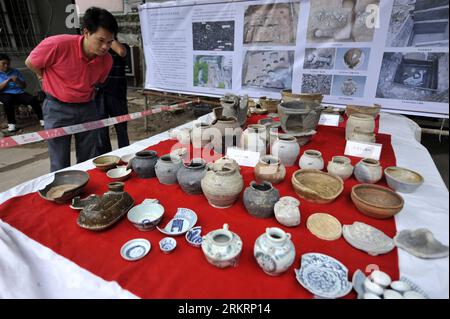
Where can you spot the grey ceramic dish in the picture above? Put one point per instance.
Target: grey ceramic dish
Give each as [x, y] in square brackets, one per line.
[403, 180]
[65, 186]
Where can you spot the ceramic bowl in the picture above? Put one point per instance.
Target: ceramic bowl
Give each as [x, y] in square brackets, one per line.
[304, 138]
[316, 186]
[126, 158]
[146, 216]
[167, 244]
[106, 162]
[194, 236]
[376, 201]
[403, 180]
[119, 174]
[65, 186]
[135, 249]
[183, 221]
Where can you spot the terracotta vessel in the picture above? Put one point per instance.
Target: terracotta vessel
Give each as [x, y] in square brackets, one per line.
[316, 186]
[376, 201]
[269, 169]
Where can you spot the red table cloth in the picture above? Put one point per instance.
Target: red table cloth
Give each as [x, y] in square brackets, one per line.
[186, 273]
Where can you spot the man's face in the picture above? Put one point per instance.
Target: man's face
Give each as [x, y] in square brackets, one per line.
[99, 42]
[4, 65]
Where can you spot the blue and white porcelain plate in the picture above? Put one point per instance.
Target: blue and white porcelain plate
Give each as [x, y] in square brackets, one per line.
[323, 276]
[135, 249]
[194, 237]
[183, 220]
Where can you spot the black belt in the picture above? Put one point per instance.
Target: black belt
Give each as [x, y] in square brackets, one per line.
[52, 98]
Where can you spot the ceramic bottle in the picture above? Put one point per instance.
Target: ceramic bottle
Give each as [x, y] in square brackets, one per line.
[254, 139]
[311, 159]
[274, 251]
[269, 169]
[287, 211]
[286, 149]
[144, 164]
[260, 199]
[222, 185]
[368, 171]
[166, 169]
[222, 247]
[363, 122]
[340, 166]
[190, 176]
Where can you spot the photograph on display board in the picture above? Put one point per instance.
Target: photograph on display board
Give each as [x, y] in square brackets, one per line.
[415, 76]
[268, 70]
[213, 36]
[341, 21]
[213, 71]
[319, 58]
[356, 59]
[271, 24]
[349, 86]
[312, 83]
[418, 23]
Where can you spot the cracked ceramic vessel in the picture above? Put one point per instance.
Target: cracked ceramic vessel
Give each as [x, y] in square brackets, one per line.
[299, 116]
[364, 123]
[260, 199]
[286, 149]
[143, 163]
[287, 211]
[269, 169]
[421, 243]
[190, 176]
[222, 247]
[222, 184]
[340, 166]
[113, 205]
[368, 171]
[368, 238]
[65, 186]
[235, 106]
[316, 186]
[166, 169]
[274, 251]
[311, 159]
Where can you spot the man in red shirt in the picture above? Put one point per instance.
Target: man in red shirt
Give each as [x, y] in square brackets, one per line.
[70, 67]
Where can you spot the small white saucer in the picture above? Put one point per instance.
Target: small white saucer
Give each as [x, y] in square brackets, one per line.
[135, 249]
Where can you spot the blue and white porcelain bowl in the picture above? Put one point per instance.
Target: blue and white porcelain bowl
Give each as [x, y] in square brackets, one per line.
[323, 276]
[194, 237]
[167, 244]
[145, 216]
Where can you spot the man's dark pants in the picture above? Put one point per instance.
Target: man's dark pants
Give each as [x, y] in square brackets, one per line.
[111, 106]
[60, 114]
[10, 101]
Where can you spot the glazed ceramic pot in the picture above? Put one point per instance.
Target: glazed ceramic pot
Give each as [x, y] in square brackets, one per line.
[368, 171]
[274, 251]
[225, 132]
[222, 248]
[222, 185]
[260, 199]
[311, 159]
[254, 139]
[190, 176]
[269, 169]
[299, 116]
[200, 136]
[287, 211]
[113, 205]
[166, 169]
[286, 149]
[340, 166]
[364, 123]
[359, 135]
[144, 164]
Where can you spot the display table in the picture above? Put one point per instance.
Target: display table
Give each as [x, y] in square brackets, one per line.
[48, 255]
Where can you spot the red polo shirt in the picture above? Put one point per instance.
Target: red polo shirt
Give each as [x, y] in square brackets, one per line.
[68, 74]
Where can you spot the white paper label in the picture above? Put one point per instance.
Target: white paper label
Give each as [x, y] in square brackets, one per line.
[243, 157]
[364, 150]
[329, 119]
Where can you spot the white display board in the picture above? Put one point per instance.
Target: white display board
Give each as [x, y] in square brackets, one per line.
[391, 52]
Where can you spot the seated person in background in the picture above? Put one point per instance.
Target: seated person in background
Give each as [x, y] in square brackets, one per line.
[12, 93]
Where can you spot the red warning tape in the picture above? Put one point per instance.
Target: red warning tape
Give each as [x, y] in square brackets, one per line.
[28, 138]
